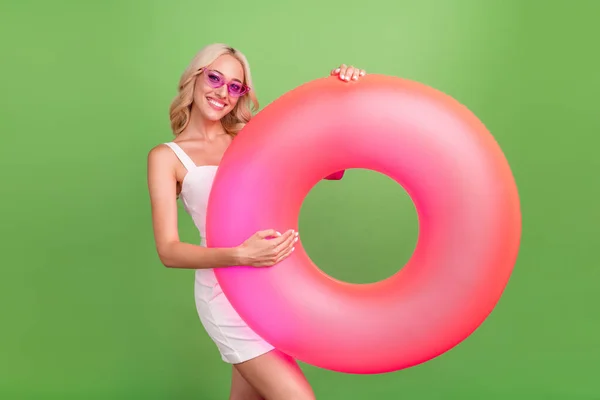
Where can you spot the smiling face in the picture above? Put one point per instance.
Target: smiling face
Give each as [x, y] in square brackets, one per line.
[214, 103]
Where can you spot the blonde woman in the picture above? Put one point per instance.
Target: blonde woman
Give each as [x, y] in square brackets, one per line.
[214, 101]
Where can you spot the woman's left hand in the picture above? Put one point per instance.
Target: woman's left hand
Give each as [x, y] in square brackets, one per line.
[347, 74]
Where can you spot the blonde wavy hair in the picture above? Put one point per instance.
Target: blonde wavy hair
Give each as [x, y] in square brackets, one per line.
[181, 106]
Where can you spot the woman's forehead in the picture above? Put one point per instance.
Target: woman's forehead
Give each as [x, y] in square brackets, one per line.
[228, 66]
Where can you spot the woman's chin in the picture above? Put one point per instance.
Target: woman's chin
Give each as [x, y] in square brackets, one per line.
[214, 115]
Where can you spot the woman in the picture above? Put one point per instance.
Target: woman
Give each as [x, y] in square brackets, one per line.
[214, 102]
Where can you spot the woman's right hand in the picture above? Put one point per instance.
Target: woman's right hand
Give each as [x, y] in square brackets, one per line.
[267, 248]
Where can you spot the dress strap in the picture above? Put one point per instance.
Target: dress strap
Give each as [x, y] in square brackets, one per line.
[183, 157]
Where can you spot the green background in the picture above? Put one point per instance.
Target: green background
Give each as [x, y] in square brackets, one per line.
[88, 312]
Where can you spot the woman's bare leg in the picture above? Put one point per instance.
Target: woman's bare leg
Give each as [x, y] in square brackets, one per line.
[241, 389]
[276, 376]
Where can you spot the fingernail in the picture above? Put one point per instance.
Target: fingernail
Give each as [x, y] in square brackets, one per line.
[355, 77]
[296, 234]
[337, 70]
[295, 240]
[293, 248]
[342, 76]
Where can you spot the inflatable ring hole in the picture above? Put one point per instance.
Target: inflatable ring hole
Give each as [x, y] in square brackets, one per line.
[362, 229]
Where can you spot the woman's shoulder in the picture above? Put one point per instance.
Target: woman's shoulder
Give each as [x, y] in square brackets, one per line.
[160, 153]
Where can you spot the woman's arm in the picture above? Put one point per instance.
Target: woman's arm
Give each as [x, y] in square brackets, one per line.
[162, 184]
[263, 249]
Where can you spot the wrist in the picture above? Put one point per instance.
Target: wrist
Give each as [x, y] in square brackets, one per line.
[238, 256]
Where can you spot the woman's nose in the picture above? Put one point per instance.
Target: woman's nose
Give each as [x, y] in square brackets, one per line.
[222, 91]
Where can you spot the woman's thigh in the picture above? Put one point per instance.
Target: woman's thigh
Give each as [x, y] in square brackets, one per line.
[276, 376]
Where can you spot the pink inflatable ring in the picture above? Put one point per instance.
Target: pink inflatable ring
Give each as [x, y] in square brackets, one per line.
[463, 190]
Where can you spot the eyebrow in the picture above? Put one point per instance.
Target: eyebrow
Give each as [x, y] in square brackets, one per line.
[234, 79]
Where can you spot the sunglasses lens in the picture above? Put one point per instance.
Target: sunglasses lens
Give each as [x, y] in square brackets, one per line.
[214, 79]
[237, 89]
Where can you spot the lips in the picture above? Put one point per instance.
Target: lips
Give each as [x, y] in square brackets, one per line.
[216, 104]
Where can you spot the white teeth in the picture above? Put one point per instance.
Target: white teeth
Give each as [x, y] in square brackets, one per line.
[216, 103]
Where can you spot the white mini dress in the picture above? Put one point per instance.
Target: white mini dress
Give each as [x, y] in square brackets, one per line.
[234, 339]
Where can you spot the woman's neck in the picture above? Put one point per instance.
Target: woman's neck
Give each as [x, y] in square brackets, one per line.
[200, 127]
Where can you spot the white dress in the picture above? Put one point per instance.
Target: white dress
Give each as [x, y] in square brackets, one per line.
[234, 339]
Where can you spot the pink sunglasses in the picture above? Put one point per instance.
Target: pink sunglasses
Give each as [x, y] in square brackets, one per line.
[215, 80]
